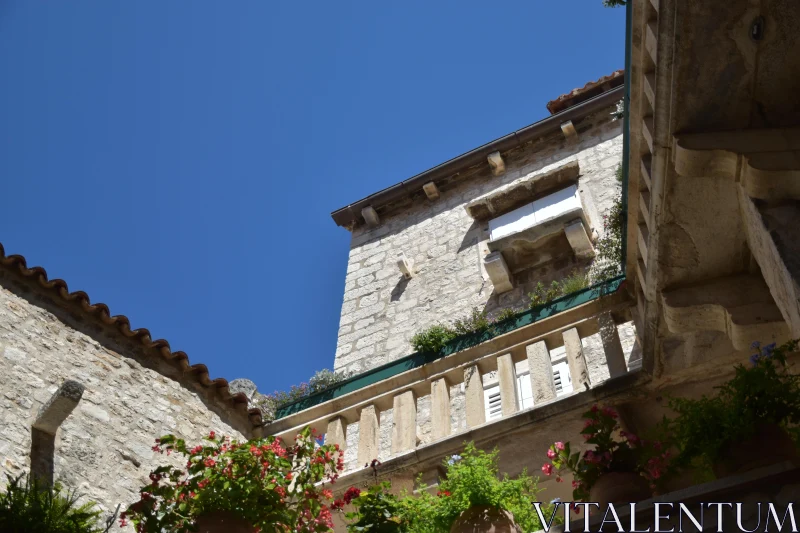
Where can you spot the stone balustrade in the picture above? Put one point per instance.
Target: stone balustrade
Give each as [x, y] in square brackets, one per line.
[354, 420]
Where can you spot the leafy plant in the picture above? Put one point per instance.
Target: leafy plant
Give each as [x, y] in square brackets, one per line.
[376, 510]
[274, 487]
[765, 393]
[631, 454]
[321, 380]
[31, 507]
[574, 282]
[471, 479]
[433, 338]
[618, 173]
[614, 3]
[608, 250]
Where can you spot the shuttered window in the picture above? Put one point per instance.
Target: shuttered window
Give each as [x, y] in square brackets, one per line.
[524, 391]
[491, 399]
[562, 378]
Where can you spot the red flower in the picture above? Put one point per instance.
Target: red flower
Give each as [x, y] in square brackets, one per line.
[212, 435]
[547, 468]
[338, 504]
[209, 462]
[351, 493]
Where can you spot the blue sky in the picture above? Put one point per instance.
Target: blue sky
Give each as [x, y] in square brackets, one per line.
[179, 161]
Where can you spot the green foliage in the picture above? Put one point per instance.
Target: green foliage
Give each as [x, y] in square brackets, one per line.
[542, 294]
[608, 250]
[471, 479]
[614, 3]
[766, 393]
[377, 511]
[434, 338]
[30, 507]
[618, 173]
[506, 314]
[321, 380]
[274, 487]
[631, 454]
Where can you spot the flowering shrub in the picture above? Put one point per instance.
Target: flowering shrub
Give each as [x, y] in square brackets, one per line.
[434, 338]
[608, 249]
[271, 485]
[376, 510]
[631, 454]
[764, 393]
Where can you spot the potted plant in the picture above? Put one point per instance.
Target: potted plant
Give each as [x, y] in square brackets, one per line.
[746, 424]
[617, 470]
[231, 486]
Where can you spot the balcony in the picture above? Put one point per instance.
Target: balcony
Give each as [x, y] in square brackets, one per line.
[405, 413]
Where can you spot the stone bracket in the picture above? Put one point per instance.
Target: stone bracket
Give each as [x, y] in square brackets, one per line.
[579, 239]
[498, 272]
[58, 408]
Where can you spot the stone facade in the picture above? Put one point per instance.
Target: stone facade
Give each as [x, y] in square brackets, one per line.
[382, 310]
[103, 448]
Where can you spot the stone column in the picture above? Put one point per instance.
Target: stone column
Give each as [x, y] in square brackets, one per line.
[615, 357]
[369, 428]
[337, 432]
[404, 422]
[473, 385]
[541, 373]
[440, 408]
[576, 360]
[506, 376]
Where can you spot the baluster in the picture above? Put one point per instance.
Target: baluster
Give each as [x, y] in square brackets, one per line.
[506, 376]
[440, 408]
[368, 435]
[404, 422]
[615, 357]
[473, 385]
[337, 432]
[576, 360]
[541, 373]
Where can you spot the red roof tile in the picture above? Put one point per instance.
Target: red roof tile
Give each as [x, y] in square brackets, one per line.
[591, 89]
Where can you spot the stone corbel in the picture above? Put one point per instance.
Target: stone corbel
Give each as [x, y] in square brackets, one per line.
[498, 272]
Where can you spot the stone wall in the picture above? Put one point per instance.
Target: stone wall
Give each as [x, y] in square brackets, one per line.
[103, 449]
[382, 311]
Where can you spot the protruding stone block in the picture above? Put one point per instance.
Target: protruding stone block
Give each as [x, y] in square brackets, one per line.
[498, 272]
[576, 360]
[369, 429]
[541, 373]
[440, 408]
[431, 190]
[579, 239]
[245, 386]
[506, 377]
[58, 408]
[405, 265]
[337, 432]
[473, 385]
[370, 216]
[569, 131]
[404, 422]
[615, 357]
[497, 163]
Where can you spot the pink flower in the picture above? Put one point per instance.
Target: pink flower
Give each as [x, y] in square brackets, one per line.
[547, 468]
[575, 485]
[551, 453]
[212, 435]
[559, 445]
[610, 412]
[588, 423]
[558, 479]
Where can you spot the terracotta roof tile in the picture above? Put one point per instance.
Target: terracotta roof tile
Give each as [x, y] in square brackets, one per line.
[121, 324]
[593, 88]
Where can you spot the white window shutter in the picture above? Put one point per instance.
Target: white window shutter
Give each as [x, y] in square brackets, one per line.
[524, 391]
[562, 378]
[491, 399]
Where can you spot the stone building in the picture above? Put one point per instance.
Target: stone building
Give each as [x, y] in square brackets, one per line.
[709, 149]
[84, 396]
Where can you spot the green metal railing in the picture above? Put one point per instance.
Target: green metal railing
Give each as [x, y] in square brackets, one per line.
[535, 314]
[458, 344]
